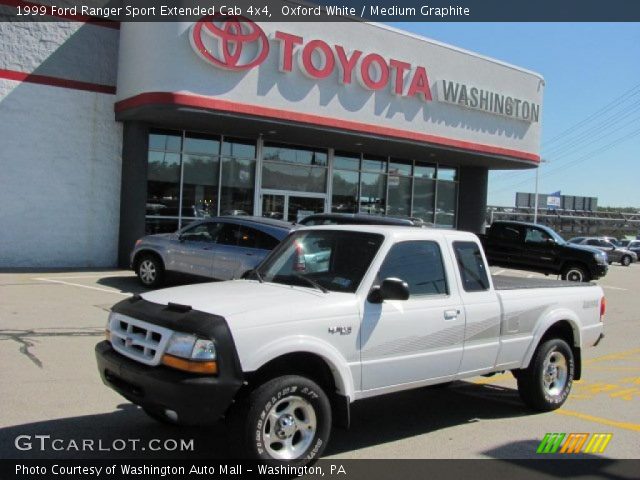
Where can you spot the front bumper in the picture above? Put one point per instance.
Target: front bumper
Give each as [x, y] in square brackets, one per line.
[196, 399]
[599, 271]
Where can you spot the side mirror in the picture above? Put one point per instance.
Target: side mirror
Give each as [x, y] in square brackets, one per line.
[180, 238]
[389, 289]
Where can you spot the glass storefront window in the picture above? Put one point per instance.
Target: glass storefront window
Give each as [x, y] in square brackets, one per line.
[165, 141]
[446, 208]
[399, 196]
[346, 162]
[374, 164]
[201, 144]
[238, 181]
[233, 147]
[424, 171]
[400, 167]
[447, 174]
[299, 178]
[345, 192]
[302, 156]
[424, 194]
[373, 193]
[199, 186]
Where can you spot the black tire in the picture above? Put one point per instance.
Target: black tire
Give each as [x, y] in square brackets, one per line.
[158, 416]
[625, 260]
[150, 270]
[251, 423]
[539, 391]
[575, 273]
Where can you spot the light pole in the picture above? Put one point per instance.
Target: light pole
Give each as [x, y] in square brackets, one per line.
[535, 203]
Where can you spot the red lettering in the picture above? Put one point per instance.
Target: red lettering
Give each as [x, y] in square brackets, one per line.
[400, 68]
[347, 64]
[307, 59]
[420, 84]
[365, 72]
[287, 44]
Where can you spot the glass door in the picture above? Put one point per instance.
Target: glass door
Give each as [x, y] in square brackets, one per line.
[301, 207]
[291, 206]
[273, 206]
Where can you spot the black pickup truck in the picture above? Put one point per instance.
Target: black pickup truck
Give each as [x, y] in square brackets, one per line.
[527, 246]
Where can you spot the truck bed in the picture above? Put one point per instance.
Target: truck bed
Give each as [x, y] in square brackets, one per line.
[502, 282]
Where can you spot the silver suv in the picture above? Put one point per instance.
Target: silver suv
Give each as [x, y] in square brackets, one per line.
[221, 248]
[614, 253]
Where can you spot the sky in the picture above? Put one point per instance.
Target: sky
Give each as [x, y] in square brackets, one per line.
[587, 68]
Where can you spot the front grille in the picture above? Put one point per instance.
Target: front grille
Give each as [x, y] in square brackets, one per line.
[137, 339]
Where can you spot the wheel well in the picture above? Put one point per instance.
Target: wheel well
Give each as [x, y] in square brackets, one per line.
[307, 365]
[146, 253]
[564, 331]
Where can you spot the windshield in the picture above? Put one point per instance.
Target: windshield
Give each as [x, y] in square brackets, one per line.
[324, 259]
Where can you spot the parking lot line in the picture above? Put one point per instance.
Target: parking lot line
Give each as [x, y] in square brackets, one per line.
[613, 288]
[634, 427]
[95, 275]
[82, 286]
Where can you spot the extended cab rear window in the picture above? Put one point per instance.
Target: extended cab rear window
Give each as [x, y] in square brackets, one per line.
[472, 267]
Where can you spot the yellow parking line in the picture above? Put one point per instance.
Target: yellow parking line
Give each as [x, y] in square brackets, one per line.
[634, 427]
[614, 356]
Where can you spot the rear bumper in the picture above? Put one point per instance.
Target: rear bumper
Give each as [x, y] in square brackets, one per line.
[196, 399]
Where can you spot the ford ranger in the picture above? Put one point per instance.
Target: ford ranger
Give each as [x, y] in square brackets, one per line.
[336, 314]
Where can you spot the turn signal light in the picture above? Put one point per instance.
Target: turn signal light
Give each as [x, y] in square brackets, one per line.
[603, 307]
[209, 368]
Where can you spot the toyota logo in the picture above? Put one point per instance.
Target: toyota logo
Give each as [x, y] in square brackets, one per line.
[230, 42]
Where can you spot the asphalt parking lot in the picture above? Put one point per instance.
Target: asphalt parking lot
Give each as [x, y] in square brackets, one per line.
[49, 385]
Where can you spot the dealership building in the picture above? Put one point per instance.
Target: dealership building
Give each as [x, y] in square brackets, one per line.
[113, 130]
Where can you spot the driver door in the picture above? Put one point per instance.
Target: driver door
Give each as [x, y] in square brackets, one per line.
[539, 250]
[420, 338]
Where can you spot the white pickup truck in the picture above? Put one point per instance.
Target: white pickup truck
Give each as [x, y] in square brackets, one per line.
[336, 314]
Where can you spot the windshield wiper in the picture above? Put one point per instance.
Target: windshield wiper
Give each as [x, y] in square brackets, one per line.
[255, 273]
[311, 282]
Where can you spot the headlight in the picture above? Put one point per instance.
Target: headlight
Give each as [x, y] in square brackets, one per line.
[602, 258]
[191, 354]
[203, 350]
[181, 345]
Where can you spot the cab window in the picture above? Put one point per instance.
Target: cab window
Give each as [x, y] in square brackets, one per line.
[472, 267]
[419, 263]
[535, 235]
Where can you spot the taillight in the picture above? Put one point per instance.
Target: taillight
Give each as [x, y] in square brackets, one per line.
[138, 242]
[603, 307]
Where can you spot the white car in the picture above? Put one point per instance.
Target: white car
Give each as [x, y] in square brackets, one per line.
[336, 314]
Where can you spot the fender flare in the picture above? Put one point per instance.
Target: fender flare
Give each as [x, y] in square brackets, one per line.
[148, 249]
[305, 344]
[547, 321]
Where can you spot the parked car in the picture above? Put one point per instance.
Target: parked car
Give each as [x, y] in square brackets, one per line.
[357, 219]
[633, 245]
[219, 247]
[614, 253]
[537, 248]
[284, 356]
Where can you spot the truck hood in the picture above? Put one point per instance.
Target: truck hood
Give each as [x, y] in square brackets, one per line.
[249, 302]
[582, 247]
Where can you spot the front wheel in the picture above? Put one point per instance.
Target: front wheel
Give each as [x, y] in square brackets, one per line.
[546, 383]
[626, 260]
[150, 270]
[285, 419]
[575, 273]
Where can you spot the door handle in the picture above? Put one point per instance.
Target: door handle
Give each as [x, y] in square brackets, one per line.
[249, 254]
[451, 314]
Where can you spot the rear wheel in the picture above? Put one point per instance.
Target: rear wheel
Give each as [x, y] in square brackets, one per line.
[546, 383]
[150, 270]
[625, 260]
[575, 273]
[285, 419]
